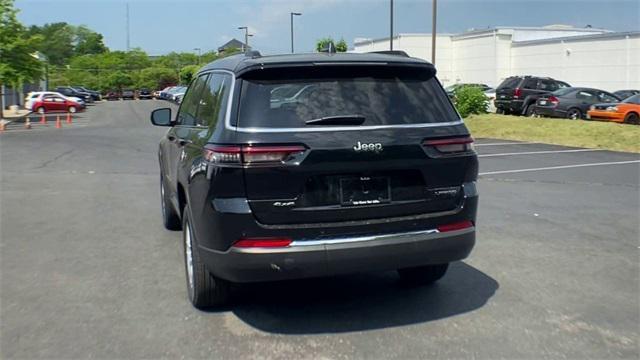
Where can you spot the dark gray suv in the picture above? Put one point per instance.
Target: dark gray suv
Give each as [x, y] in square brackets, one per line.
[297, 166]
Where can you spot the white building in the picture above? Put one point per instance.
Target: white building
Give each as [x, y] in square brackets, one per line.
[580, 56]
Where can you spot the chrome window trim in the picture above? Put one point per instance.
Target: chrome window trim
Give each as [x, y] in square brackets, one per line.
[228, 125]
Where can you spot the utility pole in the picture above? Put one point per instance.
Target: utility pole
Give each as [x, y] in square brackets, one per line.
[245, 47]
[292, 15]
[433, 31]
[128, 43]
[391, 26]
[199, 54]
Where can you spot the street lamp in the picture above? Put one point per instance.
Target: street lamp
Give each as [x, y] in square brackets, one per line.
[433, 31]
[246, 38]
[199, 54]
[292, 15]
[391, 25]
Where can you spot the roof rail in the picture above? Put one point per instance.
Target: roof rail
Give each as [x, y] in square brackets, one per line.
[391, 52]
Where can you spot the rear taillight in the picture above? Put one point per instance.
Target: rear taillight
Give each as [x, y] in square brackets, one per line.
[516, 93]
[554, 100]
[455, 226]
[248, 155]
[262, 242]
[451, 145]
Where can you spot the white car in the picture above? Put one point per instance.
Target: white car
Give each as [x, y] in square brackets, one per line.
[491, 96]
[37, 95]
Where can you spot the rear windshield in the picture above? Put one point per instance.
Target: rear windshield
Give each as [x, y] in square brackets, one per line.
[510, 83]
[563, 91]
[286, 99]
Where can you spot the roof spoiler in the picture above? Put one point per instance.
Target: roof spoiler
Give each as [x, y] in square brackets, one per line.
[252, 53]
[391, 52]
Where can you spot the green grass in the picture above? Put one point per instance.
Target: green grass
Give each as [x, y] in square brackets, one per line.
[579, 133]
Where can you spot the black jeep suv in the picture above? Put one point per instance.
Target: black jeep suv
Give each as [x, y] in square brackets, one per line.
[518, 94]
[296, 166]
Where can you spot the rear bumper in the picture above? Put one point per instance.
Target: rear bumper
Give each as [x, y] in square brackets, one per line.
[549, 111]
[333, 256]
[510, 105]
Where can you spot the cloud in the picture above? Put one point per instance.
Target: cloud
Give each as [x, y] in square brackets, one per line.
[263, 16]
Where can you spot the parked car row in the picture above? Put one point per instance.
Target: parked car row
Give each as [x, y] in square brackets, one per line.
[129, 94]
[172, 93]
[543, 96]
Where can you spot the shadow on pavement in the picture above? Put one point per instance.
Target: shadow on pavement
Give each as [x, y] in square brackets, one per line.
[360, 302]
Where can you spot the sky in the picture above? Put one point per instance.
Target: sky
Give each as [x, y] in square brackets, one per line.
[161, 26]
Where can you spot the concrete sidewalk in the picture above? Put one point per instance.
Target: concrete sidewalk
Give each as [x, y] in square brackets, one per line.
[14, 114]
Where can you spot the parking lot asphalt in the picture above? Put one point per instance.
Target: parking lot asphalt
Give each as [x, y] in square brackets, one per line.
[88, 271]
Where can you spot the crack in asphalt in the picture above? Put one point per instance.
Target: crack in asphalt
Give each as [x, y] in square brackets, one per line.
[46, 163]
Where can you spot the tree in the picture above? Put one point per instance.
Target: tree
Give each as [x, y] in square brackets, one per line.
[18, 58]
[119, 80]
[187, 72]
[321, 44]
[57, 43]
[157, 78]
[88, 41]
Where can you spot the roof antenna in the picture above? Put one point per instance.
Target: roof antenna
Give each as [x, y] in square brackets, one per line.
[329, 47]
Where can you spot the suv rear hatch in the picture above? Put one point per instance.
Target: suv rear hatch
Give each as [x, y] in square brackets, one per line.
[506, 90]
[350, 143]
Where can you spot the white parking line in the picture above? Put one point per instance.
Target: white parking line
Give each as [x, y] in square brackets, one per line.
[559, 167]
[540, 152]
[506, 143]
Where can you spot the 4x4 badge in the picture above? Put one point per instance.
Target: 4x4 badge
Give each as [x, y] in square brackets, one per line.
[375, 147]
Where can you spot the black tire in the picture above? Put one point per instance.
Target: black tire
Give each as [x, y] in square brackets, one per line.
[632, 118]
[423, 275]
[574, 114]
[530, 111]
[170, 217]
[204, 289]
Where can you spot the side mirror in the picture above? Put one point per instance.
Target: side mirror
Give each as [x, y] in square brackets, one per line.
[161, 117]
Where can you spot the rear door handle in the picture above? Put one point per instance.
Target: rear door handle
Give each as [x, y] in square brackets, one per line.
[183, 142]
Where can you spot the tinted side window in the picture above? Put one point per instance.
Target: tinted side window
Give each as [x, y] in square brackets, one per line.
[603, 96]
[189, 107]
[585, 95]
[213, 104]
[548, 85]
[530, 84]
[635, 99]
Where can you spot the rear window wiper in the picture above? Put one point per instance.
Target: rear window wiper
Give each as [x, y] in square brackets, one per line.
[354, 119]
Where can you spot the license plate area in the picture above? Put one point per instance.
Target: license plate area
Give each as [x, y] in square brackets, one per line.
[365, 190]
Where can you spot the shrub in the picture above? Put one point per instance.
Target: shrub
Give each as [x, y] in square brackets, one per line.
[470, 100]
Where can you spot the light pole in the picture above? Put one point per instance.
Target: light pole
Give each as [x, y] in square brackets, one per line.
[199, 54]
[292, 15]
[391, 26]
[245, 47]
[433, 31]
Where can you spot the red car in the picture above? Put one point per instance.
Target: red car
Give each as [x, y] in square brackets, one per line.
[53, 103]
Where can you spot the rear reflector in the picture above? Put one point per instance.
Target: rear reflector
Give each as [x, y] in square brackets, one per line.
[262, 242]
[451, 145]
[455, 226]
[250, 154]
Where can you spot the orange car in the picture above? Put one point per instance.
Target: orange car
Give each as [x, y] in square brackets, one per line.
[627, 111]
